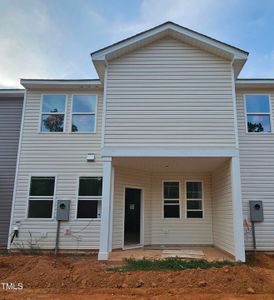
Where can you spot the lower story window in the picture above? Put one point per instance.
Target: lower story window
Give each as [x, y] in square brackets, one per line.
[41, 195]
[89, 197]
[171, 195]
[194, 199]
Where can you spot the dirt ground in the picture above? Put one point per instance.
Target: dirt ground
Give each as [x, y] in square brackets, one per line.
[83, 277]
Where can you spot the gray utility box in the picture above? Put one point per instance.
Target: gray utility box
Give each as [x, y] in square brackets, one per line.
[256, 211]
[62, 213]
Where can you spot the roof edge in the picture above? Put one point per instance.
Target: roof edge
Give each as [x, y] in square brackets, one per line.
[255, 82]
[12, 92]
[60, 82]
[162, 25]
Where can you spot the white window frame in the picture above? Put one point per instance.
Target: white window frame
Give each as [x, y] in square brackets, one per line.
[259, 113]
[163, 199]
[142, 213]
[191, 199]
[89, 198]
[84, 113]
[42, 198]
[49, 113]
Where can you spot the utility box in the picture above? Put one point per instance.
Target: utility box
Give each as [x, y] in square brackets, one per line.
[63, 207]
[256, 211]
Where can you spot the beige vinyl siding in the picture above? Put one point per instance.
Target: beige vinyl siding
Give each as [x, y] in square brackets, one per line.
[10, 121]
[158, 230]
[169, 93]
[183, 230]
[222, 219]
[62, 155]
[257, 173]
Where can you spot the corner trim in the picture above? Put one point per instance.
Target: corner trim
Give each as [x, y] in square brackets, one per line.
[234, 106]
[238, 230]
[103, 255]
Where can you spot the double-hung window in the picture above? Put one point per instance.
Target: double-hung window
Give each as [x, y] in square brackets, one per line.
[194, 199]
[83, 113]
[171, 193]
[258, 113]
[89, 197]
[53, 113]
[41, 195]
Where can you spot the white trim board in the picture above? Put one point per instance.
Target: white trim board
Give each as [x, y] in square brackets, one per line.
[206, 41]
[142, 213]
[165, 152]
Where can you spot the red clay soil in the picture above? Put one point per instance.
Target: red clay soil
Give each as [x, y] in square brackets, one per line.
[83, 277]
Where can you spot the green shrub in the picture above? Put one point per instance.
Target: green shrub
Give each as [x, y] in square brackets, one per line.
[175, 264]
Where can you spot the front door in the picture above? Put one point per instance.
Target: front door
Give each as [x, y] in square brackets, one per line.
[132, 216]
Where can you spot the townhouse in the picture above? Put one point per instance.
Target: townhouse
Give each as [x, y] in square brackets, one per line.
[167, 147]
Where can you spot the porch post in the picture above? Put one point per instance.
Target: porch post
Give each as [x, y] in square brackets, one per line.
[237, 210]
[105, 232]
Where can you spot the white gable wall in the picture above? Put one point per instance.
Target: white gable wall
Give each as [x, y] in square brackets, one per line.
[169, 93]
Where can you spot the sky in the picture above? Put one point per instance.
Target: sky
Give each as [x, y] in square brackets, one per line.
[54, 38]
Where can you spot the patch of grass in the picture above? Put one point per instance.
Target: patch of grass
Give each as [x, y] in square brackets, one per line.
[175, 264]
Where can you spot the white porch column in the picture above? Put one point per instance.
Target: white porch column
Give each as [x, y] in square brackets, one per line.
[237, 210]
[105, 231]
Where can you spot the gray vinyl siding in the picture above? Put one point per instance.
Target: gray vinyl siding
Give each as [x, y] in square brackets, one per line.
[10, 121]
[169, 93]
[222, 210]
[62, 155]
[158, 230]
[257, 173]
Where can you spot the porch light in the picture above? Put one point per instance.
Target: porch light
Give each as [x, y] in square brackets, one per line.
[90, 157]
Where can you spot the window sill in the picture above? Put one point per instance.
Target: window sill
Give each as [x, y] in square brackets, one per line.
[40, 219]
[52, 132]
[259, 133]
[82, 132]
[87, 219]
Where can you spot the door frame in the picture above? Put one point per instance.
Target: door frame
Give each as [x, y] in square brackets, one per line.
[141, 244]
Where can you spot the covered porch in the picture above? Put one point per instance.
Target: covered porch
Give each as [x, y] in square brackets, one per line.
[157, 203]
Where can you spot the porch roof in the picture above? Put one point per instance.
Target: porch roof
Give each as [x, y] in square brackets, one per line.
[171, 164]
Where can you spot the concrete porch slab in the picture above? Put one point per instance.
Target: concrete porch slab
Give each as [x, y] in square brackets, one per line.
[184, 254]
[209, 253]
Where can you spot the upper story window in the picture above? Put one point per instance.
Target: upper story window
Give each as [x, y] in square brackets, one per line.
[171, 193]
[258, 116]
[41, 195]
[83, 113]
[53, 113]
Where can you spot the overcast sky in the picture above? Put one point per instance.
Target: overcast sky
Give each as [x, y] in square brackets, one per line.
[54, 38]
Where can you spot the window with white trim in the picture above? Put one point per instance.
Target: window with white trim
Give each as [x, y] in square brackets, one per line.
[258, 114]
[41, 195]
[83, 113]
[194, 199]
[53, 113]
[89, 197]
[171, 194]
